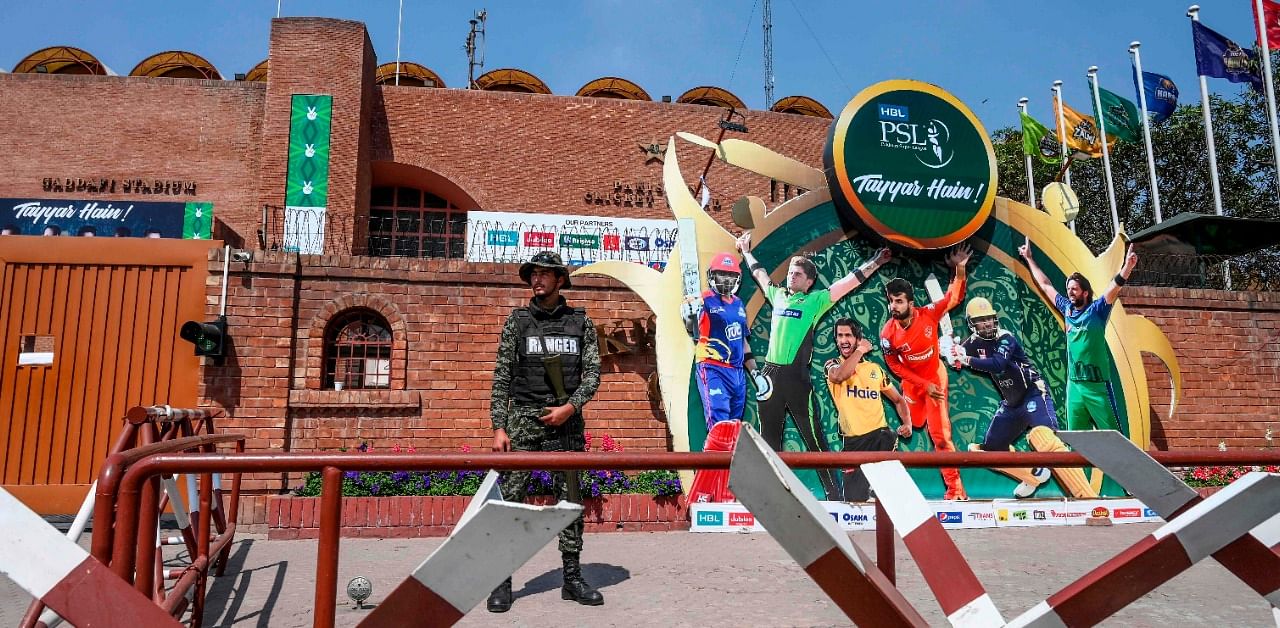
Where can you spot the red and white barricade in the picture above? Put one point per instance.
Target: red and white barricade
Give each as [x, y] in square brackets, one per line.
[1173, 548]
[492, 539]
[790, 513]
[959, 593]
[62, 575]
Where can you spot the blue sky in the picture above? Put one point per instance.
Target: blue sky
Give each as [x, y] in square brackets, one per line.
[987, 53]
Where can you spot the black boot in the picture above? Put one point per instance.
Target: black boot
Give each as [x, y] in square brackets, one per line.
[500, 599]
[575, 588]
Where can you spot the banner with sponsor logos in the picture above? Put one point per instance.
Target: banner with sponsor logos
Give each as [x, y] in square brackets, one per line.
[97, 218]
[514, 237]
[1012, 513]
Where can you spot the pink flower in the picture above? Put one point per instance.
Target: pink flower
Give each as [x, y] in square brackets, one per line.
[395, 449]
[466, 449]
[412, 449]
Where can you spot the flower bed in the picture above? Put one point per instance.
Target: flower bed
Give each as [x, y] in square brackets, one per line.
[397, 504]
[1207, 477]
[290, 517]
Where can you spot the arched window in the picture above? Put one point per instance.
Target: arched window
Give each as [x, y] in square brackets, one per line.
[357, 351]
[408, 222]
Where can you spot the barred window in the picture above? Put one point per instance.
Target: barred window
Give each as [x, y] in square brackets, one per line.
[408, 222]
[357, 351]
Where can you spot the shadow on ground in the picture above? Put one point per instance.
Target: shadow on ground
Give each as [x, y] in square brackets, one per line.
[227, 594]
[599, 575]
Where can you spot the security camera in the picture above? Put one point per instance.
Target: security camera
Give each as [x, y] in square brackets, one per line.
[240, 255]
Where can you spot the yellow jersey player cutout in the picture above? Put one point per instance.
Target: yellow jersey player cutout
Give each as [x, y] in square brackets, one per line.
[858, 388]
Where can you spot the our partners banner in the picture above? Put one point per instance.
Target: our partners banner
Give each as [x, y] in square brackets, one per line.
[515, 237]
[54, 217]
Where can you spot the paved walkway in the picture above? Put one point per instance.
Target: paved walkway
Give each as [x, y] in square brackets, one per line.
[684, 579]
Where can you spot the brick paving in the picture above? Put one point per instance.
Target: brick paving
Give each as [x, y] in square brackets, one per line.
[684, 579]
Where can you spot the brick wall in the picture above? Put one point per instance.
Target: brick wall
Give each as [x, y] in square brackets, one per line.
[133, 127]
[446, 316]
[1228, 347]
[321, 56]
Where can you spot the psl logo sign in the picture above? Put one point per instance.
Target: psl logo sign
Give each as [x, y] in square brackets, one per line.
[897, 131]
[908, 161]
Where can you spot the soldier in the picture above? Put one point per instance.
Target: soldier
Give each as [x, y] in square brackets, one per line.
[548, 367]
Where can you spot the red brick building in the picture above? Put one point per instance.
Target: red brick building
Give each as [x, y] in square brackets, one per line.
[438, 153]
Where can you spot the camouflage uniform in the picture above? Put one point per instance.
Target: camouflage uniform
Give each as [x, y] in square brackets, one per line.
[520, 419]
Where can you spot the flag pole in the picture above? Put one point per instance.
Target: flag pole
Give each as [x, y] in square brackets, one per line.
[1106, 154]
[399, 22]
[1146, 130]
[1062, 137]
[1031, 184]
[1266, 73]
[278, 7]
[1193, 12]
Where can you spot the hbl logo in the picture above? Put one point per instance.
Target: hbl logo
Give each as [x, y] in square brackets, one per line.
[710, 518]
[893, 113]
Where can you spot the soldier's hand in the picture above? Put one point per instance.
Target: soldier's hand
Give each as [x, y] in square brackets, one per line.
[500, 441]
[904, 430]
[555, 416]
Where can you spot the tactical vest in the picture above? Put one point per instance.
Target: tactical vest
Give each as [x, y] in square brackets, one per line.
[558, 333]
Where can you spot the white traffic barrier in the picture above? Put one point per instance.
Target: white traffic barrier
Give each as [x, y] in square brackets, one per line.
[1252, 558]
[1173, 548]
[492, 539]
[62, 575]
[957, 589]
[790, 513]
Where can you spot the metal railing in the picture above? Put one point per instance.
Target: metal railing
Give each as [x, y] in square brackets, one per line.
[133, 546]
[151, 431]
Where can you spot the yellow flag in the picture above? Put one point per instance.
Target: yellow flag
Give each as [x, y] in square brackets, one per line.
[1081, 132]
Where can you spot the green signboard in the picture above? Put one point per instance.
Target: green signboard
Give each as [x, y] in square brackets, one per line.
[908, 161]
[306, 192]
[579, 241]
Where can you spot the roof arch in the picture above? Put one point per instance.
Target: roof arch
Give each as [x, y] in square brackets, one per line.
[62, 60]
[712, 96]
[613, 87]
[411, 75]
[258, 72]
[802, 105]
[176, 64]
[511, 80]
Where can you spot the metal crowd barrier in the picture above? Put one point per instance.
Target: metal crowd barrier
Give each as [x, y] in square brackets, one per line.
[134, 495]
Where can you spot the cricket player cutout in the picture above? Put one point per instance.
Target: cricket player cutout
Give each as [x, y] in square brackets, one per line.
[1091, 399]
[1025, 403]
[909, 341]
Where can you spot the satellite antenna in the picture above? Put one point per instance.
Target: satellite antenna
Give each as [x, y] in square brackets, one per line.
[475, 46]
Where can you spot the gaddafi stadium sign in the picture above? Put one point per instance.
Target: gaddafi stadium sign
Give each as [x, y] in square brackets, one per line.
[908, 161]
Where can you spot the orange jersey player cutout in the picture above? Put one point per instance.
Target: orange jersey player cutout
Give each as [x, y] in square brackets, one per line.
[909, 342]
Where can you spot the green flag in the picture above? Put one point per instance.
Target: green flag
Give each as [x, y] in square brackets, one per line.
[1038, 141]
[1120, 117]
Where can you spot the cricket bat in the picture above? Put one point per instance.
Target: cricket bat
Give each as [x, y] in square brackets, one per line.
[945, 331]
[687, 240]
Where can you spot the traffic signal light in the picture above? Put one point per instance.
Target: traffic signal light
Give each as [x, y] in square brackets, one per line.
[209, 338]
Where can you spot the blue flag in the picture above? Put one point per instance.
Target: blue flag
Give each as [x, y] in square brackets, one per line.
[1162, 94]
[1219, 57]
